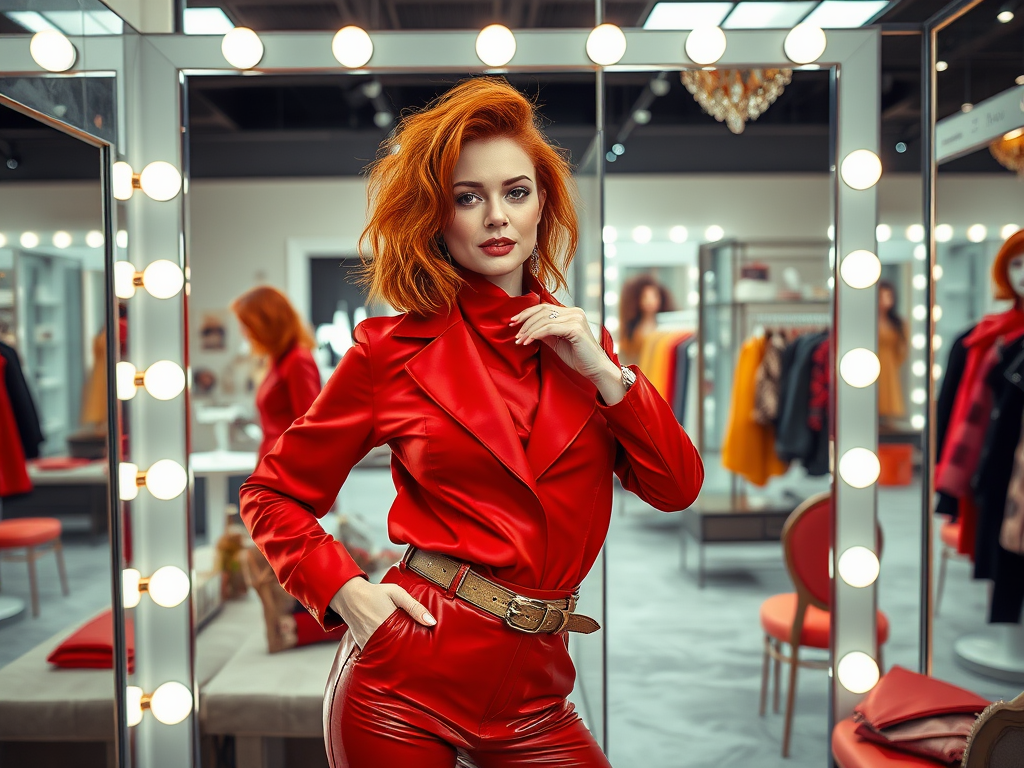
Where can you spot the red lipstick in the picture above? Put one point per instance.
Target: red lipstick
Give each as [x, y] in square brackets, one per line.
[498, 246]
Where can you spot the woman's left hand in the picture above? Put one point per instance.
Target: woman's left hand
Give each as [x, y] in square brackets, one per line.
[567, 332]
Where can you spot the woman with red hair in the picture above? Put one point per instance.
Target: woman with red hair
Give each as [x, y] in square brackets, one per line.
[275, 330]
[506, 419]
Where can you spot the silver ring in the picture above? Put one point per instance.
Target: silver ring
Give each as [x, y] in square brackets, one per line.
[553, 315]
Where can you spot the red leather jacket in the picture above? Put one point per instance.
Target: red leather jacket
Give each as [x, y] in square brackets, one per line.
[466, 487]
[286, 393]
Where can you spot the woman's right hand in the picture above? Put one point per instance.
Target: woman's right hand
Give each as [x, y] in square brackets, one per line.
[364, 606]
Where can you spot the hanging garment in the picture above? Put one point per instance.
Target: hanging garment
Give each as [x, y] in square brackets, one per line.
[817, 462]
[1008, 326]
[767, 380]
[94, 399]
[1012, 535]
[681, 385]
[14, 478]
[749, 448]
[947, 505]
[892, 352]
[793, 437]
[25, 414]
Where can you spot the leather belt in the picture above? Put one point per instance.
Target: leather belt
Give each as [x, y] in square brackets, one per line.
[523, 614]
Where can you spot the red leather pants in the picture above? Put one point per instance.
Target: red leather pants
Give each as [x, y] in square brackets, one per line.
[420, 696]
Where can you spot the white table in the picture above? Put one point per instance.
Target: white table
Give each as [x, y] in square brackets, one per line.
[217, 467]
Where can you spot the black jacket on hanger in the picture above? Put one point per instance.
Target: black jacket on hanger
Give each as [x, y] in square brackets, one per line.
[25, 414]
[955, 364]
[793, 436]
[991, 482]
[681, 380]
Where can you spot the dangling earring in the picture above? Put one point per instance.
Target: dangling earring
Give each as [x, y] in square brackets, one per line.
[443, 247]
[535, 262]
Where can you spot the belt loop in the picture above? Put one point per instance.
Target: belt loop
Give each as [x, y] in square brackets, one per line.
[457, 581]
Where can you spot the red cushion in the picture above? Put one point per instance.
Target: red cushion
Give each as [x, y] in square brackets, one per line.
[28, 531]
[92, 645]
[851, 751]
[779, 612]
[950, 534]
[53, 463]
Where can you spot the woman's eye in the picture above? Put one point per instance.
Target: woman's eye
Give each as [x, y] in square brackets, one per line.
[519, 193]
[465, 199]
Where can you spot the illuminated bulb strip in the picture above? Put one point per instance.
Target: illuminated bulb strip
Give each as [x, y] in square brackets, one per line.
[859, 467]
[168, 586]
[859, 567]
[162, 279]
[606, 45]
[859, 368]
[171, 703]
[159, 180]
[164, 380]
[166, 480]
[495, 45]
[857, 672]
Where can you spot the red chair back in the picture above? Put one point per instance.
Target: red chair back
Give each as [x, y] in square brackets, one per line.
[806, 538]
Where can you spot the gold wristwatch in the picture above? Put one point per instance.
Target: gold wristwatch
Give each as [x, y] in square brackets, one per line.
[628, 377]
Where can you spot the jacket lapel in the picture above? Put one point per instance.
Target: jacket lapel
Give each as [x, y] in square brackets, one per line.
[450, 371]
[567, 401]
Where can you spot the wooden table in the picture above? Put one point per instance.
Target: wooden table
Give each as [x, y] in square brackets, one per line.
[718, 520]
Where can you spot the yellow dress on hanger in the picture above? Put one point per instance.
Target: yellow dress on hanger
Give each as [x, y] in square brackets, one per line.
[892, 352]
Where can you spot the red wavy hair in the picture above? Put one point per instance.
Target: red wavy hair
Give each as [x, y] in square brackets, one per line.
[273, 324]
[1011, 249]
[411, 199]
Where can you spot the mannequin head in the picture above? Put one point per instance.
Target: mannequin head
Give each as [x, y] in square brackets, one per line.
[1008, 269]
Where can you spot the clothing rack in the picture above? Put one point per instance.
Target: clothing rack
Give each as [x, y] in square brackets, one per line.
[795, 318]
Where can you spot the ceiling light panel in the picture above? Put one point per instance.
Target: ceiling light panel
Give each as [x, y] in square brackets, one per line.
[86, 23]
[30, 20]
[768, 15]
[207, 21]
[687, 15]
[845, 14]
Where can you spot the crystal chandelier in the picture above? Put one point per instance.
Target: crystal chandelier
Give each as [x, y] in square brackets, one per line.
[1009, 151]
[734, 96]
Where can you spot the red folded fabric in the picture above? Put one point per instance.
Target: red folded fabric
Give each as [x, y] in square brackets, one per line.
[309, 631]
[919, 715]
[53, 463]
[91, 646]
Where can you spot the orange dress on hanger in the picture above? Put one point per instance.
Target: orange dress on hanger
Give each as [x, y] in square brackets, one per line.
[892, 352]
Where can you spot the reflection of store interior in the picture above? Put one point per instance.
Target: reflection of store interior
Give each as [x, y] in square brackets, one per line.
[742, 346]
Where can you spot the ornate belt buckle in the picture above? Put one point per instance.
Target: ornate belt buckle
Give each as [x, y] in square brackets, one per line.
[515, 608]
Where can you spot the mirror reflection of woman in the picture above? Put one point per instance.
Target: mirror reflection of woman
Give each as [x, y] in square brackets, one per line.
[275, 330]
[641, 299]
[892, 353]
[506, 419]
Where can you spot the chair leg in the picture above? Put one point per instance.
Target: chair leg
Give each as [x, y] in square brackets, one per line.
[943, 559]
[765, 669]
[33, 582]
[778, 677]
[790, 699]
[58, 552]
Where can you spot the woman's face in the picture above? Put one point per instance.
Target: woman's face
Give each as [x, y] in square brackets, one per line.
[650, 300]
[886, 300]
[1015, 274]
[497, 209]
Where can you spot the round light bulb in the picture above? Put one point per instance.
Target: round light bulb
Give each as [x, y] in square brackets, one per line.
[166, 479]
[127, 474]
[171, 703]
[352, 47]
[606, 45]
[164, 380]
[714, 233]
[1007, 230]
[169, 586]
[160, 181]
[163, 279]
[861, 169]
[130, 587]
[609, 234]
[29, 240]
[242, 48]
[943, 233]
[936, 342]
[936, 313]
[121, 181]
[804, 43]
[124, 279]
[705, 45]
[122, 238]
[94, 239]
[1005, 17]
[859, 467]
[3, 240]
[920, 312]
[883, 233]
[937, 272]
[977, 233]
[125, 374]
[919, 368]
[936, 372]
[919, 282]
[830, 233]
[611, 298]
[678, 234]
[860, 269]
[915, 233]
[52, 51]
[917, 421]
[918, 396]
[859, 567]
[133, 705]
[859, 368]
[918, 341]
[642, 234]
[495, 45]
[61, 239]
[693, 298]
[611, 251]
[941, 66]
[857, 672]
[920, 252]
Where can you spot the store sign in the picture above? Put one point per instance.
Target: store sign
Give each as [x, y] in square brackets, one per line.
[965, 132]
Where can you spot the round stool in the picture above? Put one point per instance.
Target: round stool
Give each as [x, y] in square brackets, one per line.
[35, 535]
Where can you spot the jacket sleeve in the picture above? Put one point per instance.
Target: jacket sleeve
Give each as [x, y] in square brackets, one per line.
[298, 482]
[655, 458]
